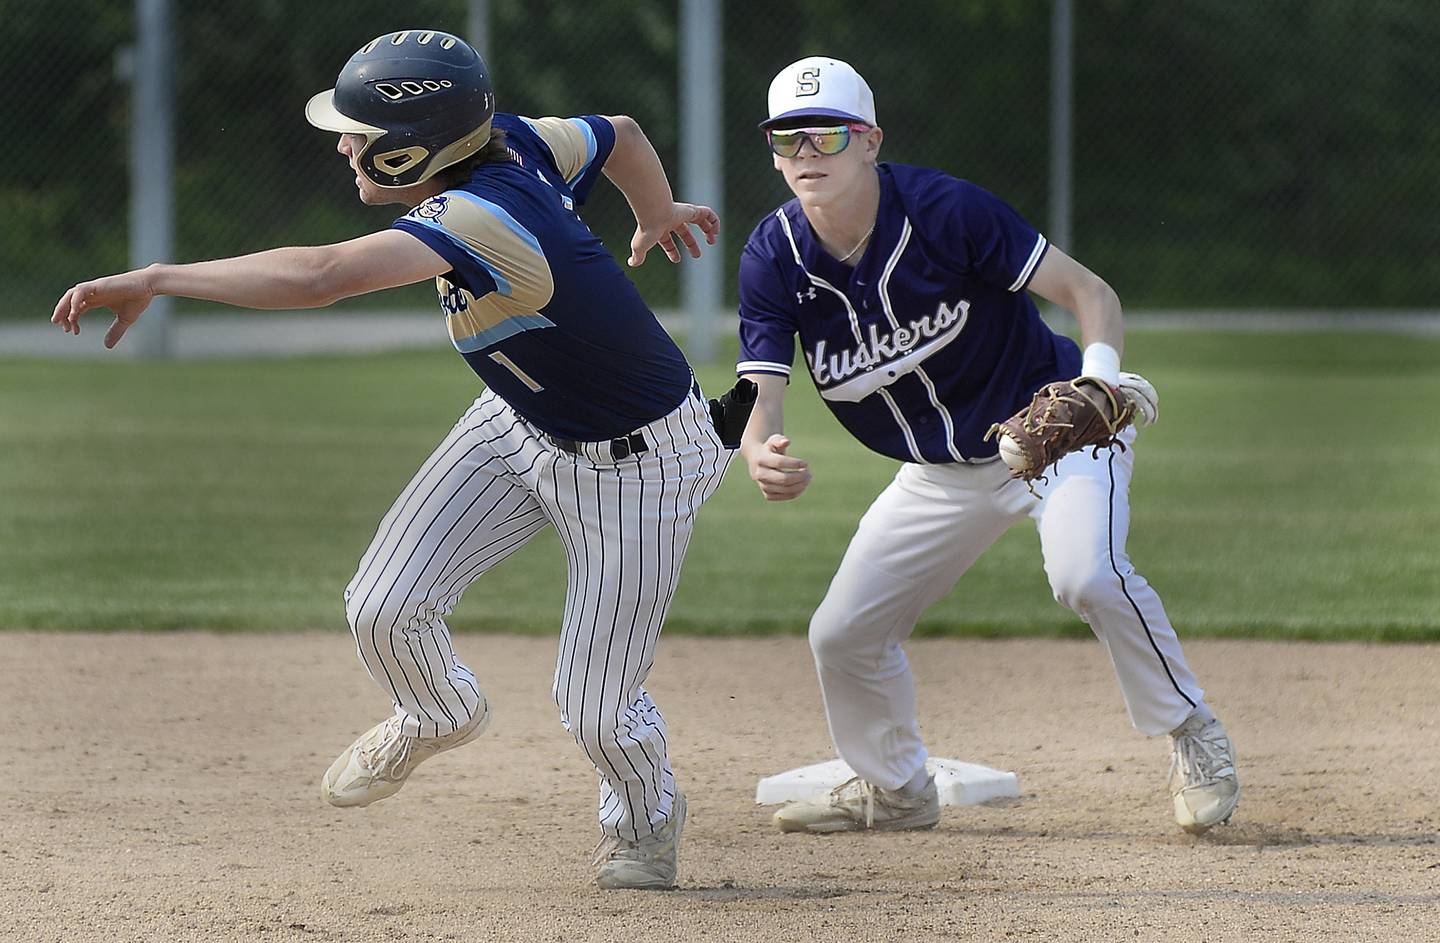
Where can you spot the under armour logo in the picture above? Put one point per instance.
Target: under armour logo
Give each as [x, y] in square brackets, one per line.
[800, 296]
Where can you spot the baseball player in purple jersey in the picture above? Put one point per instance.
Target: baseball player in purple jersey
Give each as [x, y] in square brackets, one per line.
[591, 421]
[907, 289]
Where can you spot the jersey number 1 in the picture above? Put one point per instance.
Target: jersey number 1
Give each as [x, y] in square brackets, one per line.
[520, 375]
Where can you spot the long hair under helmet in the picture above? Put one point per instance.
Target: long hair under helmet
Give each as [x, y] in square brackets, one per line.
[421, 98]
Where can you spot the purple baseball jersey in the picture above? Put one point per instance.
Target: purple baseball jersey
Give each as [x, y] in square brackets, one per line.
[929, 339]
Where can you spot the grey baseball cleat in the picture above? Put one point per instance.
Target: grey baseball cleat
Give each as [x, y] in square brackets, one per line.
[1203, 782]
[856, 805]
[649, 864]
[377, 765]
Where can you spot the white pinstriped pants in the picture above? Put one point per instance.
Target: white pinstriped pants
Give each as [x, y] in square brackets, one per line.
[920, 536]
[494, 483]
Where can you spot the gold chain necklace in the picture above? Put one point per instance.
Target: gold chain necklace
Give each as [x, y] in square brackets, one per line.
[868, 232]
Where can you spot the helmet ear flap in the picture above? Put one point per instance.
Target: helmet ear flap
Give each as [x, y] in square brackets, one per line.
[396, 163]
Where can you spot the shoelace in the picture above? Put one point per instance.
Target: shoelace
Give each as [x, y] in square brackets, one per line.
[391, 752]
[867, 797]
[1201, 759]
[608, 846]
[646, 850]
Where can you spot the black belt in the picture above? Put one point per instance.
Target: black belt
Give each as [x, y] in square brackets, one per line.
[621, 448]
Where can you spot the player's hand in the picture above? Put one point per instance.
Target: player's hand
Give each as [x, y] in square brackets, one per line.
[668, 232]
[780, 476]
[125, 295]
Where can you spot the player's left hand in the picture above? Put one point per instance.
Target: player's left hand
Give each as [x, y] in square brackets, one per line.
[665, 232]
[125, 295]
[1062, 417]
[1141, 394]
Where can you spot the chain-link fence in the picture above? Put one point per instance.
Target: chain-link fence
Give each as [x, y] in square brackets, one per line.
[1226, 154]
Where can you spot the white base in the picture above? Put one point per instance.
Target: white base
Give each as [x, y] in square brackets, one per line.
[958, 782]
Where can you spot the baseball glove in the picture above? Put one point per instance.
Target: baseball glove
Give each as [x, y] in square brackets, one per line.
[1063, 417]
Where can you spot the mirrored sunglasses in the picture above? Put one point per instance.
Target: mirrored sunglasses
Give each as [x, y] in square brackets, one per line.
[828, 140]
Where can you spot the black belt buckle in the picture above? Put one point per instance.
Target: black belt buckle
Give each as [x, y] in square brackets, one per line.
[626, 446]
[621, 448]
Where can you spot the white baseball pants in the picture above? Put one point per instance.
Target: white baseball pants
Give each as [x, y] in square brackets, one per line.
[491, 485]
[922, 533]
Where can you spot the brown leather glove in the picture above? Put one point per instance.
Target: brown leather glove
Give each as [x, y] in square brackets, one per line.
[1063, 417]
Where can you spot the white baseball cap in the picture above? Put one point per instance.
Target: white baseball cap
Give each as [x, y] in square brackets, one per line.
[820, 86]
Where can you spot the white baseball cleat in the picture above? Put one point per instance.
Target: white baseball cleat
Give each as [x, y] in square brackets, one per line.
[856, 805]
[649, 864]
[376, 765]
[1203, 782]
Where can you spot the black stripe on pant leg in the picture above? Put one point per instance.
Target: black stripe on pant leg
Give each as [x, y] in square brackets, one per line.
[634, 623]
[582, 581]
[664, 566]
[659, 540]
[414, 626]
[561, 521]
[450, 650]
[663, 582]
[518, 498]
[656, 720]
[448, 567]
[457, 490]
[399, 542]
[611, 800]
[396, 624]
[445, 567]
[428, 671]
[379, 542]
[576, 614]
[654, 580]
[631, 718]
[490, 554]
[414, 486]
[464, 573]
[590, 660]
[621, 694]
[579, 722]
[422, 666]
[1110, 540]
[670, 564]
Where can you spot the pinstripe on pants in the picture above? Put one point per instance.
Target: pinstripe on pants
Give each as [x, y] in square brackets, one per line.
[491, 485]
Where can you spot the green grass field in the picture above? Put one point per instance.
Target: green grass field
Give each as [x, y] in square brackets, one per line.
[1290, 490]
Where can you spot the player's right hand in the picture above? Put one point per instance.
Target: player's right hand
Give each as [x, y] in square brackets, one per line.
[125, 295]
[780, 476]
[673, 231]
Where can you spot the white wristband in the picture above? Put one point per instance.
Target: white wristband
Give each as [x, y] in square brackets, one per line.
[1102, 362]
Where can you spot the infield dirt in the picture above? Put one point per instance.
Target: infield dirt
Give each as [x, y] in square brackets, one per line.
[165, 787]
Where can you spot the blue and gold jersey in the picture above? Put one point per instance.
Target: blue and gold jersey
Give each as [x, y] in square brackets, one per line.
[534, 302]
[929, 339]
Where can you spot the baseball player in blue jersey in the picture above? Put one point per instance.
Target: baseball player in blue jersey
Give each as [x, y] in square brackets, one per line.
[907, 289]
[591, 421]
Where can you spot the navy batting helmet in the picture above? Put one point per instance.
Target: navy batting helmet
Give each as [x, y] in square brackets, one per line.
[421, 98]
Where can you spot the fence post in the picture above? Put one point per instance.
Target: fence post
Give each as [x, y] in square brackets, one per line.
[1061, 99]
[701, 280]
[477, 30]
[152, 166]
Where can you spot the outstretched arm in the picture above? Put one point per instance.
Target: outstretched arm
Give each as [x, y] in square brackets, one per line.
[294, 277]
[635, 168]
